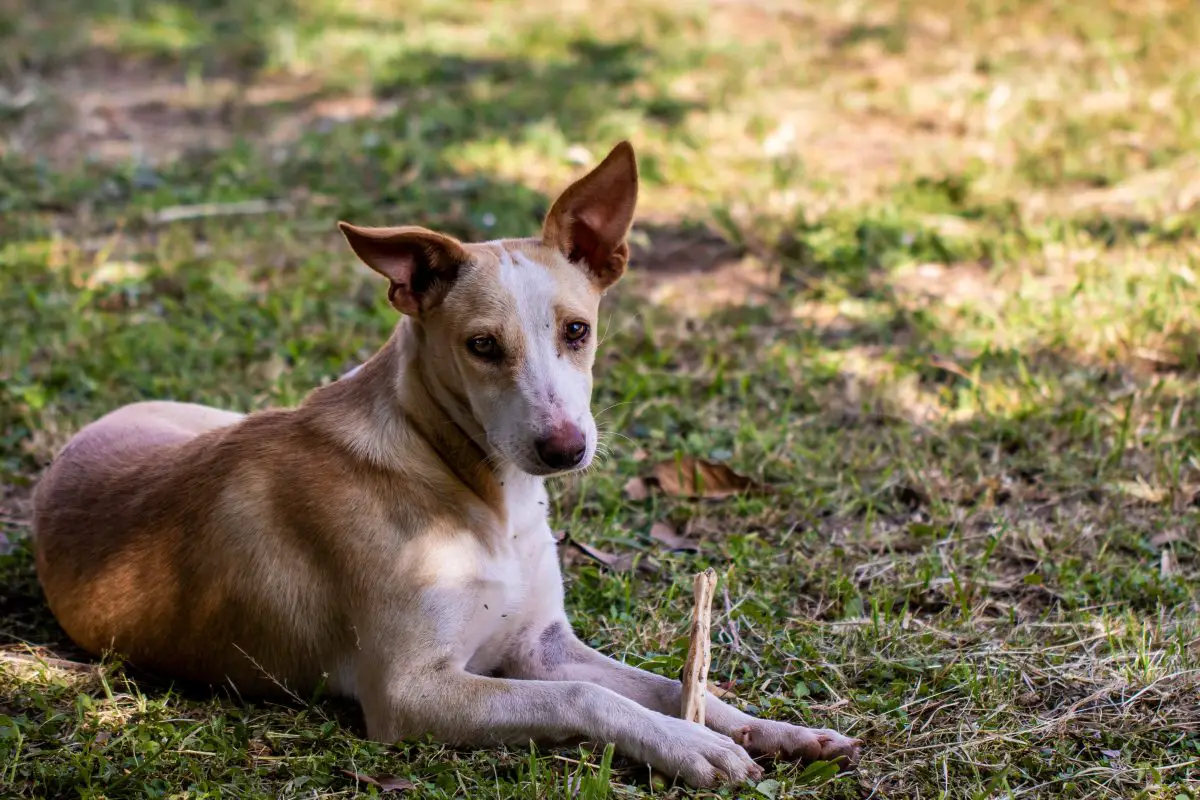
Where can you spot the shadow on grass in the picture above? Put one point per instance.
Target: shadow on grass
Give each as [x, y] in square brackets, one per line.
[150, 136]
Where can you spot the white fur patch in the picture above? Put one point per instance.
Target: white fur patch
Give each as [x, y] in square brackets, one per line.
[553, 389]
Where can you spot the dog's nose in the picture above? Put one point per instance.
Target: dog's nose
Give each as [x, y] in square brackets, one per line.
[563, 448]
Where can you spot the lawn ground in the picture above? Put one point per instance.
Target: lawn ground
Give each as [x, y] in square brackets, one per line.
[931, 269]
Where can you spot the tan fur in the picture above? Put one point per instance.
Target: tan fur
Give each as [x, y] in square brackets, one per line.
[389, 536]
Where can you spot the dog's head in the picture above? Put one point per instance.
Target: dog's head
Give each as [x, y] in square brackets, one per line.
[508, 328]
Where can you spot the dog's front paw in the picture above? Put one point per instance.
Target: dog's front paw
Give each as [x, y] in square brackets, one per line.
[702, 758]
[767, 737]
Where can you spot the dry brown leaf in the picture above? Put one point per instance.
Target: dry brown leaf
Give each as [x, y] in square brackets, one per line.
[694, 477]
[574, 552]
[627, 562]
[1141, 491]
[700, 528]
[386, 783]
[1166, 537]
[595, 553]
[636, 490]
[665, 533]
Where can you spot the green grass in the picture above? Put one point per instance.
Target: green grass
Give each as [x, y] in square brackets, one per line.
[932, 269]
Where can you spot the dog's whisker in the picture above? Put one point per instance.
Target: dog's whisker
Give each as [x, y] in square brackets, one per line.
[606, 409]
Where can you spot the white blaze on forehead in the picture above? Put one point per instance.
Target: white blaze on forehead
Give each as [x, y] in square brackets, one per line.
[533, 288]
[533, 291]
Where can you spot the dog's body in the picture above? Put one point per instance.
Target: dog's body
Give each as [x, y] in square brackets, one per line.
[389, 537]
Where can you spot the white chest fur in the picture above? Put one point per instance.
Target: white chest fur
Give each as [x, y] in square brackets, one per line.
[496, 592]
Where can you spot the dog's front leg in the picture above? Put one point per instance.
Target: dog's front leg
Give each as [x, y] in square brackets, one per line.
[460, 708]
[555, 653]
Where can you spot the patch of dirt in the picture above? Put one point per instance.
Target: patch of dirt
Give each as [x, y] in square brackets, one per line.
[695, 272]
[115, 110]
[948, 285]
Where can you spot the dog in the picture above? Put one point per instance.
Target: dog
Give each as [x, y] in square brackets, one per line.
[388, 538]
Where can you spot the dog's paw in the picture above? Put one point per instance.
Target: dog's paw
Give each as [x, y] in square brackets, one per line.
[702, 758]
[771, 738]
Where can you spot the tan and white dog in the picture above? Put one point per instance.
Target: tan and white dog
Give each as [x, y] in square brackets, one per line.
[389, 536]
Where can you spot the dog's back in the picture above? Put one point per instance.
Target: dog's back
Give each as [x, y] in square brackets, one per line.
[142, 548]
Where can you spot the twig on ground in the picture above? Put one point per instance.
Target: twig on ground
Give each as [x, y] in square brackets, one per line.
[695, 670]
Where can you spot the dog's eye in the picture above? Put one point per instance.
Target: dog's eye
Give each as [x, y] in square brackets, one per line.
[576, 332]
[484, 347]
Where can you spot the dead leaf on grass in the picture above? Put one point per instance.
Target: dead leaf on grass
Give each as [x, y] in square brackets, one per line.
[386, 783]
[697, 478]
[574, 552]
[1140, 491]
[627, 562]
[666, 533]
[1166, 537]
[636, 490]
[595, 553]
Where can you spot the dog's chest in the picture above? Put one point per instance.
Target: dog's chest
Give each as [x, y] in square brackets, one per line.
[517, 584]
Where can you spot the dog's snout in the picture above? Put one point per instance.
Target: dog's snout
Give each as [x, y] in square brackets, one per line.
[563, 448]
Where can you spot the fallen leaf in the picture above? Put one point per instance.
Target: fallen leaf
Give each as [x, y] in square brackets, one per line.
[636, 490]
[1166, 537]
[595, 553]
[699, 528]
[386, 783]
[575, 551]
[694, 477]
[665, 533]
[627, 562]
[1141, 491]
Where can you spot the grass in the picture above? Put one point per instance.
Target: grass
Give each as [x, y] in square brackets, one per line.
[929, 268]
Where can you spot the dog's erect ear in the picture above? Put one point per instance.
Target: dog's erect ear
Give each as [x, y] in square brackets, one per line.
[420, 263]
[590, 220]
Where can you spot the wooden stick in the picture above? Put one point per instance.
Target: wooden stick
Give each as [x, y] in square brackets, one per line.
[695, 670]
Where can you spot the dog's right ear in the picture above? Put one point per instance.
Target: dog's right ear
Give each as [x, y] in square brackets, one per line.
[420, 263]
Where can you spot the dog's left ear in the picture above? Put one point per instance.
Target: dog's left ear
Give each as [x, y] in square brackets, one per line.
[421, 264]
[589, 222]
